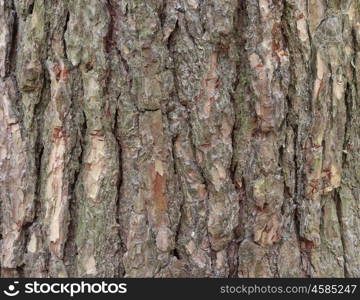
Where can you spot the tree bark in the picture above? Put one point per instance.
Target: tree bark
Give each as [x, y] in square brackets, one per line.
[180, 138]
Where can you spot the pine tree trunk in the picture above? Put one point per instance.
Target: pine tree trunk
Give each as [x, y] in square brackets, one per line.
[180, 138]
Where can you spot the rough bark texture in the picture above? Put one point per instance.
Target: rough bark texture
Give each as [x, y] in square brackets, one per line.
[180, 138]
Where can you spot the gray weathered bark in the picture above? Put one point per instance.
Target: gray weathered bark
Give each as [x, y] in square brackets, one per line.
[180, 138]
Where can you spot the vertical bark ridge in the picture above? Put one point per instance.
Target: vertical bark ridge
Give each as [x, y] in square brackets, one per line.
[348, 199]
[322, 47]
[18, 200]
[267, 234]
[96, 236]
